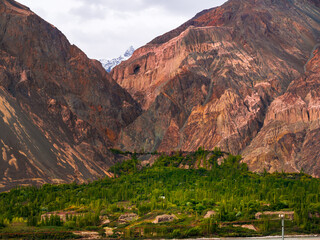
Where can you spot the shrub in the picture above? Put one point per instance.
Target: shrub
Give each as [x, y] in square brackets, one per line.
[2, 224]
[70, 224]
[176, 233]
[193, 232]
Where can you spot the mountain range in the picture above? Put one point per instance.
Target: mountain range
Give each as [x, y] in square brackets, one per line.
[243, 77]
[110, 64]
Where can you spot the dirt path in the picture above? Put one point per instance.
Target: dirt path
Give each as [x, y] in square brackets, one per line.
[87, 235]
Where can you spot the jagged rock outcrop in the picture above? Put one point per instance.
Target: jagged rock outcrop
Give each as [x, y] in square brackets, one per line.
[60, 111]
[211, 81]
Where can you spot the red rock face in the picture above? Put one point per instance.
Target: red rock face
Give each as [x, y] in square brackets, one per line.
[211, 81]
[289, 139]
[60, 110]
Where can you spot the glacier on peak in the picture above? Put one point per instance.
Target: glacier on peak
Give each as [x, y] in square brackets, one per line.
[110, 64]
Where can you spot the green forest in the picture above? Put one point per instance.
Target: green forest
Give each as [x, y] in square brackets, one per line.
[184, 185]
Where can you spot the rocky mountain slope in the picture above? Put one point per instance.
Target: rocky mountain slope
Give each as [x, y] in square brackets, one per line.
[227, 78]
[110, 64]
[60, 111]
[243, 77]
[290, 135]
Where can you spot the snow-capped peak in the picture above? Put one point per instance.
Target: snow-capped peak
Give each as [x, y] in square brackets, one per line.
[129, 52]
[110, 64]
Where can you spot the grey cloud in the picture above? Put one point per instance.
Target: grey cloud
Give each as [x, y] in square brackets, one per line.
[183, 6]
[119, 5]
[87, 12]
[174, 6]
[98, 9]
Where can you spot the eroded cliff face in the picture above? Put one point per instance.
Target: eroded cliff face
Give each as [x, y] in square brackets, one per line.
[289, 139]
[60, 111]
[256, 40]
[210, 82]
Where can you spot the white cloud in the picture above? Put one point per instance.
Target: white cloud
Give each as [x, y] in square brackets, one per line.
[106, 28]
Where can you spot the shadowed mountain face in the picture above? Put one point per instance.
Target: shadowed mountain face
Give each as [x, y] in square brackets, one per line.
[222, 79]
[60, 111]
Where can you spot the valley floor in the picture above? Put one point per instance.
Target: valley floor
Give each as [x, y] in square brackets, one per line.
[165, 201]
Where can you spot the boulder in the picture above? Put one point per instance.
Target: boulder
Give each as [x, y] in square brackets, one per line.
[104, 220]
[209, 214]
[128, 217]
[164, 218]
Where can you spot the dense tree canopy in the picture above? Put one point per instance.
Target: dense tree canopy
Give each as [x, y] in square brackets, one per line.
[229, 189]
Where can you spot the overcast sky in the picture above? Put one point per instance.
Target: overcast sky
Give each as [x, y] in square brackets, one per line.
[106, 28]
